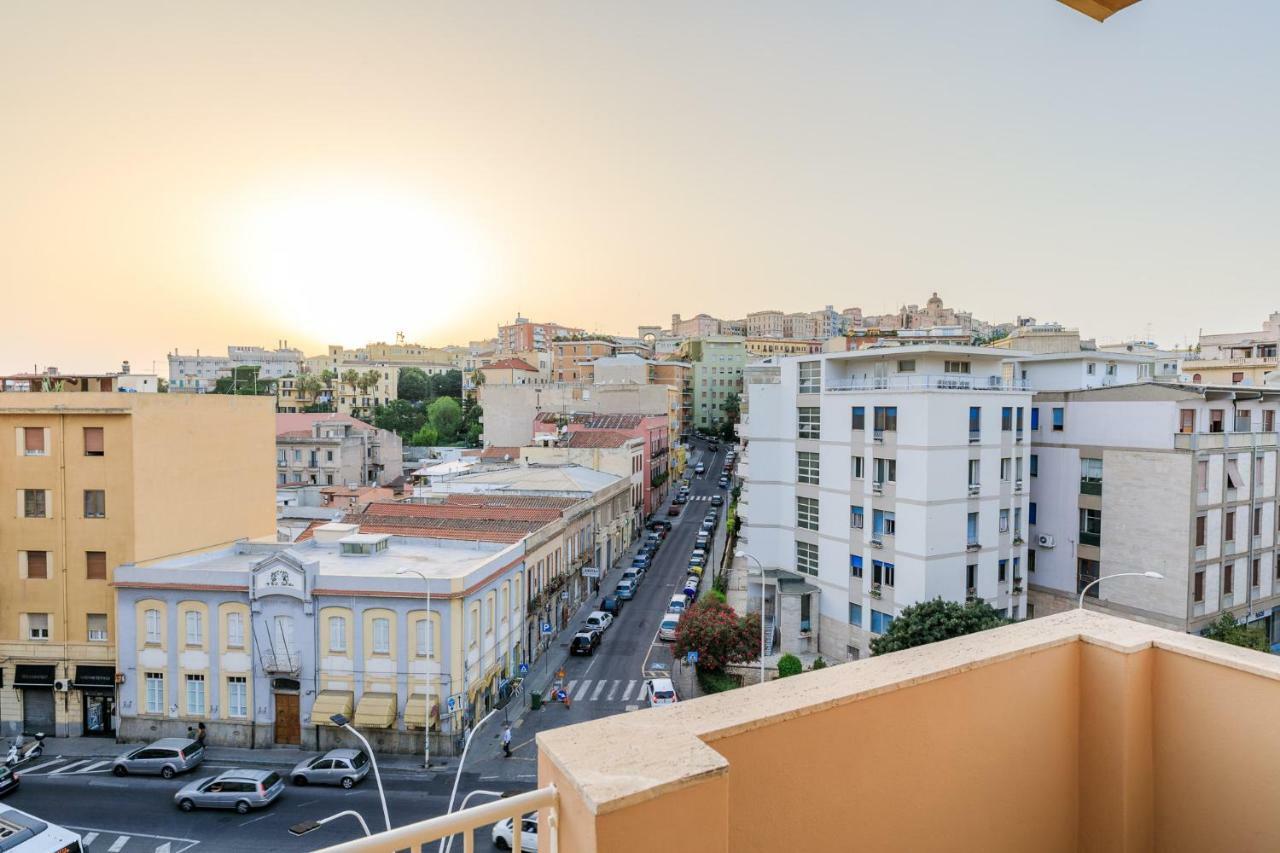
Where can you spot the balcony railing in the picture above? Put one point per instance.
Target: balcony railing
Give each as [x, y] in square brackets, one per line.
[927, 382]
[1224, 440]
[1094, 539]
[974, 488]
[1090, 487]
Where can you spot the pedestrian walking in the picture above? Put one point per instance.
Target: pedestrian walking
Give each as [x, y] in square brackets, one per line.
[506, 740]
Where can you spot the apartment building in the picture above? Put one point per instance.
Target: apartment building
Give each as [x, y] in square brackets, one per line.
[512, 371]
[1042, 338]
[574, 359]
[350, 391]
[717, 375]
[197, 374]
[1236, 358]
[102, 479]
[1178, 479]
[1166, 364]
[799, 325]
[509, 410]
[652, 429]
[622, 370]
[332, 449]
[884, 478]
[766, 324]
[1069, 371]
[766, 347]
[340, 359]
[523, 335]
[698, 326]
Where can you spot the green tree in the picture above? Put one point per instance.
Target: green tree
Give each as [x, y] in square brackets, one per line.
[732, 407]
[426, 436]
[445, 415]
[718, 634]
[401, 417]
[931, 621]
[1226, 629]
[369, 379]
[447, 384]
[351, 377]
[819, 663]
[162, 386]
[244, 380]
[789, 665]
[473, 435]
[413, 385]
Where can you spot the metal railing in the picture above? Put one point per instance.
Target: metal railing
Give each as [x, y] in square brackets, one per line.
[927, 382]
[414, 836]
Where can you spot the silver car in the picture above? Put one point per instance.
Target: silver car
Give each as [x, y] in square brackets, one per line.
[166, 757]
[343, 767]
[241, 790]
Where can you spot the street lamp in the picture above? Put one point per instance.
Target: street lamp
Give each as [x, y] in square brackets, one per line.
[463, 760]
[1154, 575]
[343, 723]
[426, 732]
[312, 825]
[747, 556]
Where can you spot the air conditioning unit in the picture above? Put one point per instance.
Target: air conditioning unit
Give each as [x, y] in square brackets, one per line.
[1044, 540]
[61, 686]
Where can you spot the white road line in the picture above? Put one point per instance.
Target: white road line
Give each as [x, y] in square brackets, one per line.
[31, 770]
[256, 819]
[68, 767]
[119, 844]
[614, 689]
[163, 848]
[583, 690]
[568, 688]
[600, 685]
[89, 839]
[587, 671]
[92, 767]
[626, 694]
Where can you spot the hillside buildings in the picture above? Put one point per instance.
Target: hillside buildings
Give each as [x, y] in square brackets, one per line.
[717, 364]
[1236, 358]
[199, 373]
[333, 449]
[523, 335]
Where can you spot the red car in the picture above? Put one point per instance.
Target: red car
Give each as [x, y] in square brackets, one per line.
[674, 509]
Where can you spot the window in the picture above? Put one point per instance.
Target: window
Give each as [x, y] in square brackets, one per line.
[1033, 465]
[883, 523]
[858, 464]
[1255, 574]
[1244, 420]
[1090, 470]
[33, 441]
[856, 518]
[1228, 579]
[37, 565]
[1200, 530]
[886, 470]
[971, 577]
[1186, 420]
[1091, 525]
[1217, 420]
[1229, 525]
[855, 565]
[1268, 420]
[1035, 418]
[906, 365]
[807, 513]
[381, 636]
[195, 628]
[855, 614]
[807, 467]
[1002, 571]
[1257, 521]
[152, 620]
[807, 558]
[1031, 560]
[1202, 475]
[975, 466]
[1004, 521]
[421, 628]
[1059, 415]
[1234, 478]
[1017, 522]
[1259, 473]
[155, 692]
[235, 630]
[1005, 469]
[1006, 419]
[1091, 368]
[886, 419]
[882, 573]
[1018, 420]
[489, 606]
[880, 622]
[95, 565]
[955, 367]
[1017, 468]
[95, 503]
[971, 529]
[809, 422]
[34, 504]
[810, 377]
[37, 626]
[1197, 589]
[1237, 377]
[859, 416]
[237, 696]
[93, 441]
[195, 694]
[975, 423]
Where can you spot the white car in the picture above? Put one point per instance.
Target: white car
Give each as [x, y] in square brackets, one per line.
[599, 620]
[504, 834]
[661, 692]
[667, 628]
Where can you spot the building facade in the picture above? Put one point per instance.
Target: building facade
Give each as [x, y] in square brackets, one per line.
[330, 449]
[1236, 358]
[766, 324]
[199, 373]
[697, 326]
[574, 359]
[523, 335]
[717, 364]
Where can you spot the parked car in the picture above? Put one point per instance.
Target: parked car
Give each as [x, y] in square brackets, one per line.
[641, 560]
[696, 570]
[655, 536]
[598, 620]
[674, 509]
[664, 526]
[667, 627]
[504, 835]
[241, 790]
[717, 500]
[626, 590]
[343, 767]
[661, 691]
[703, 539]
[699, 469]
[632, 575]
[691, 588]
[611, 604]
[697, 561]
[677, 603]
[8, 780]
[166, 757]
[723, 483]
[584, 642]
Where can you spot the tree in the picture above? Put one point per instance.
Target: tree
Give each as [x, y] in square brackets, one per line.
[401, 417]
[931, 621]
[351, 377]
[162, 386]
[447, 384]
[1225, 629]
[445, 415]
[732, 407]
[413, 385]
[789, 665]
[426, 436]
[309, 386]
[471, 428]
[369, 379]
[819, 663]
[718, 634]
[244, 380]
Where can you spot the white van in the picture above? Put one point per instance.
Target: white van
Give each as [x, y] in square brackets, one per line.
[678, 603]
[661, 692]
[21, 832]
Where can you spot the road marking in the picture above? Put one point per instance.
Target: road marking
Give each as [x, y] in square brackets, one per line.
[92, 767]
[89, 838]
[119, 844]
[31, 770]
[163, 848]
[633, 707]
[526, 743]
[256, 819]
[593, 663]
[582, 691]
[68, 767]
[613, 690]
[626, 694]
[568, 688]
[595, 694]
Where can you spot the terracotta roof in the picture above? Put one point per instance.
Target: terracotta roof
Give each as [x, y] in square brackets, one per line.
[511, 364]
[499, 500]
[598, 438]
[310, 531]
[499, 453]
[388, 509]
[616, 421]
[287, 424]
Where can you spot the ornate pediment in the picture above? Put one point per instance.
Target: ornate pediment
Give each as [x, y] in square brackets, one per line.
[280, 574]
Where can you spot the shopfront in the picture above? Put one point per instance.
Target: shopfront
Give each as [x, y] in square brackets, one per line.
[36, 683]
[97, 686]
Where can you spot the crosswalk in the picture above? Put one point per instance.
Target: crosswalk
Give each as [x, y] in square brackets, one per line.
[604, 689]
[66, 767]
[98, 840]
[700, 498]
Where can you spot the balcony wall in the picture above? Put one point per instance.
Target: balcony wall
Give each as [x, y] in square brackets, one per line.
[1072, 732]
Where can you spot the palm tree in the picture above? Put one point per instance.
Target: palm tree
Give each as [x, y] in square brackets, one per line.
[352, 378]
[370, 379]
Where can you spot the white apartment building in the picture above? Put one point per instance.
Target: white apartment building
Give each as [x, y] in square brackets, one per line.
[1165, 363]
[1069, 371]
[884, 478]
[198, 373]
[1178, 479]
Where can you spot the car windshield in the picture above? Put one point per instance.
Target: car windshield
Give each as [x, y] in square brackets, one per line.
[270, 781]
[360, 760]
[670, 623]
[664, 694]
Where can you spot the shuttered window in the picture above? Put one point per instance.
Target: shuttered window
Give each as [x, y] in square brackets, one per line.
[93, 441]
[33, 440]
[95, 563]
[38, 565]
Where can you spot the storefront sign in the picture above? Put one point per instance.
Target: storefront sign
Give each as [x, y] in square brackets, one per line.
[95, 676]
[33, 675]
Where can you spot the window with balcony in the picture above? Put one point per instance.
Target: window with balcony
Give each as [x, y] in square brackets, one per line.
[1090, 476]
[807, 558]
[856, 517]
[1004, 521]
[1186, 420]
[975, 467]
[1006, 468]
[971, 530]
[1244, 420]
[882, 573]
[859, 417]
[810, 377]
[807, 513]
[886, 471]
[808, 422]
[855, 565]
[1017, 524]
[807, 468]
[883, 524]
[1090, 527]
[975, 423]
[1059, 418]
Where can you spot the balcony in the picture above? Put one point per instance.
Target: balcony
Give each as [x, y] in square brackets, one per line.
[1091, 487]
[926, 382]
[1094, 539]
[1224, 440]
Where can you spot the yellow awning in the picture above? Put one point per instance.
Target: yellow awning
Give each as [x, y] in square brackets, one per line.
[415, 711]
[376, 710]
[330, 702]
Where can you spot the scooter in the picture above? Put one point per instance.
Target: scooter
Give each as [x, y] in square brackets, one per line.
[20, 752]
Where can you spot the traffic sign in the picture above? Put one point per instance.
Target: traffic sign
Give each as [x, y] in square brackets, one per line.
[591, 571]
[546, 627]
[454, 703]
[524, 669]
[692, 656]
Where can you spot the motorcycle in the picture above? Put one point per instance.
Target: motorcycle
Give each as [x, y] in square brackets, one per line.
[20, 752]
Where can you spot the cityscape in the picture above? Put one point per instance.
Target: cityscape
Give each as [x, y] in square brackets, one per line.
[389, 555]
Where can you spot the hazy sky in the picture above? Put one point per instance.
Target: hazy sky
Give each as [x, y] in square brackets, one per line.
[197, 174]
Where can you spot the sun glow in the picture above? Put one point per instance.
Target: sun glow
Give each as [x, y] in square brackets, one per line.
[344, 263]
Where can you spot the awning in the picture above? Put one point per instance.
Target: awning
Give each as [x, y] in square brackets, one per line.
[415, 711]
[330, 702]
[376, 710]
[95, 676]
[33, 675]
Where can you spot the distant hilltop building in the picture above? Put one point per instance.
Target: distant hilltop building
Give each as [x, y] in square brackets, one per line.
[197, 374]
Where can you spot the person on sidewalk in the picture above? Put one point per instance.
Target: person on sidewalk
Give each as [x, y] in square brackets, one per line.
[506, 740]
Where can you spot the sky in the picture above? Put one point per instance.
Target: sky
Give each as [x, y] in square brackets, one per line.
[196, 175]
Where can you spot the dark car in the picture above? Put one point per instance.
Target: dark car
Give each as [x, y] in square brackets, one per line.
[723, 483]
[717, 500]
[674, 509]
[679, 499]
[8, 780]
[611, 604]
[584, 642]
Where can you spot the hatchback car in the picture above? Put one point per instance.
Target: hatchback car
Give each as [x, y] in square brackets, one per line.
[633, 575]
[343, 767]
[166, 757]
[641, 560]
[674, 509]
[677, 603]
[699, 469]
[611, 604]
[504, 835]
[723, 483]
[660, 691]
[241, 790]
[584, 642]
[626, 590]
[667, 627]
[8, 780]
[696, 570]
[598, 620]
[717, 500]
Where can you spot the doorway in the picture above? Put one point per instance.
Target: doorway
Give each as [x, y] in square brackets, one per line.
[99, 712]
[37, 710]
[288, 724]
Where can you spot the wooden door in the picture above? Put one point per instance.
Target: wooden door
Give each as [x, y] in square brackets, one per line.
[288, 724]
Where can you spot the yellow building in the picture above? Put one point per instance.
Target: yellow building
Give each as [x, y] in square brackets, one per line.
[98, 480]
[765, 347]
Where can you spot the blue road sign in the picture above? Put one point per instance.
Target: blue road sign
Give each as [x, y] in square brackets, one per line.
[692, 656]
[546, 627]
[524, 669]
